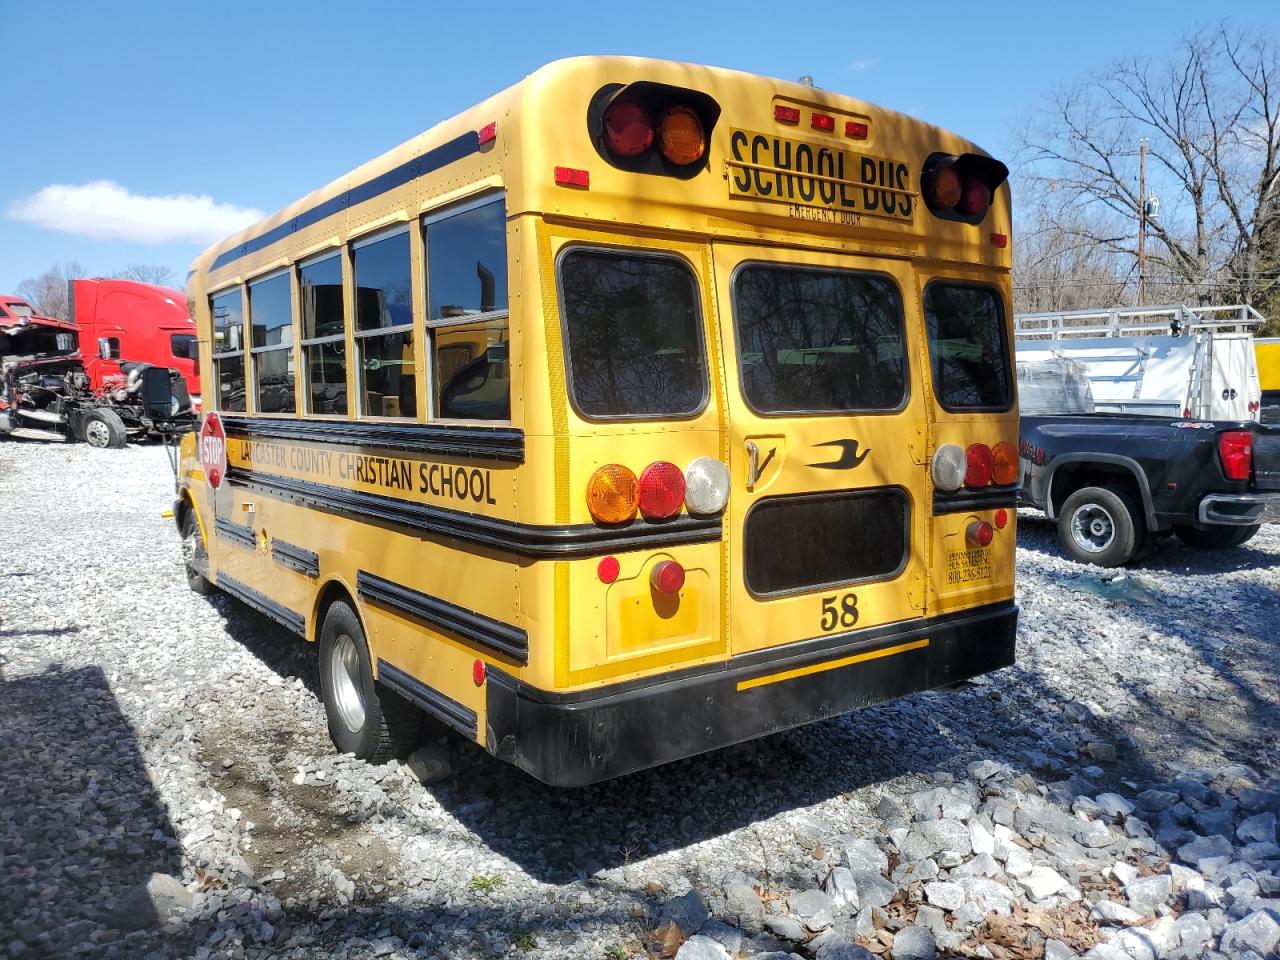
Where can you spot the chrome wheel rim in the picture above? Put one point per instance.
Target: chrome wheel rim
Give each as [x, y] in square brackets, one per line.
[96, 433]
[1093, 528]
[344, 680]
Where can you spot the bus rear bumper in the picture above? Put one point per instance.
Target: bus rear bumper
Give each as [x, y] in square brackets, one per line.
[574, 739]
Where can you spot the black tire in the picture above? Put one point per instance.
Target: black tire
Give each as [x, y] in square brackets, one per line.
[1101, 526]
[1216, 538]
[104, 429]
[365, 718]
[194, 555]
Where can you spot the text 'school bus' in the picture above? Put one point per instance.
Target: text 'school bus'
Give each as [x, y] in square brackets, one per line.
[642, 409]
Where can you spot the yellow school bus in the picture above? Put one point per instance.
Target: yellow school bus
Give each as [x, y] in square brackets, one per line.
[1268, 354]
[641, 409]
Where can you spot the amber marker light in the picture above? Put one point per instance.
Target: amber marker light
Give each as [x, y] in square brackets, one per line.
[613, 494]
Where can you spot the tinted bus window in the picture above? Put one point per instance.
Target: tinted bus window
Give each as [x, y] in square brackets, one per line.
[967, 344]
[819, 341]
[634, 335]
[467, 263]
[324, 348]
[228, 321]
[384, 328]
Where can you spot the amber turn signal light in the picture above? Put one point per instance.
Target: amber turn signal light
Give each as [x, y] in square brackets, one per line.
[681, 137]
[613, 494]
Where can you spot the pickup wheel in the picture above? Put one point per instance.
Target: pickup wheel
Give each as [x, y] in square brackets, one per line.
[1101, 526]
[103, 429]
[365, 718]
[1216, 538]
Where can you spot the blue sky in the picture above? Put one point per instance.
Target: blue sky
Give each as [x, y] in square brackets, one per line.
[250, 105]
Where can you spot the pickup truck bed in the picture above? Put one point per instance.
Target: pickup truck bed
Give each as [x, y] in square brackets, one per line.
[1113, 481]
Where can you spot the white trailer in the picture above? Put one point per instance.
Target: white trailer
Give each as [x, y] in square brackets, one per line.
[1170, 361]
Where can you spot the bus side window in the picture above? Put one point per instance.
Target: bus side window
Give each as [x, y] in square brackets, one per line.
[467, 312]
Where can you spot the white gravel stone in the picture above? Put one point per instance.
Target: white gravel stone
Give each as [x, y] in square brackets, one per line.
[1043, 882]
[944, 895]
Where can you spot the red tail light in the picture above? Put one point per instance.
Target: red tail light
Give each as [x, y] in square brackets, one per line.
[980, 465]
[1235, 448]
[667, 577]
[979, 533]
[628, 128]
[661, 490]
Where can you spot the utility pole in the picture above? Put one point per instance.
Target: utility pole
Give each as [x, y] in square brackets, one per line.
[1142, 220]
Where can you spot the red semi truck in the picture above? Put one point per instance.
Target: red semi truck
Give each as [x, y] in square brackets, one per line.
[133, 384]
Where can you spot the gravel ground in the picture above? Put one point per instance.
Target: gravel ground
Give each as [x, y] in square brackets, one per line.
[167, 787]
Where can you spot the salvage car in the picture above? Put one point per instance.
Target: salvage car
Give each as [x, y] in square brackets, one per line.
[46, 393]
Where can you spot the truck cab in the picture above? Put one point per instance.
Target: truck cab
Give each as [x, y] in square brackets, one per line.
[138, 323]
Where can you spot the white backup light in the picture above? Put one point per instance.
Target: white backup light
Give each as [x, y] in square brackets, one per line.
[706, 486]
[949, 466]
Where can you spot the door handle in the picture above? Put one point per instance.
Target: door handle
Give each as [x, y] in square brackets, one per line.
[754, 466]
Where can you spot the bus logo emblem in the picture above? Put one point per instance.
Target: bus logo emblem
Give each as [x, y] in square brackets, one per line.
[849, 455]
[213, 449]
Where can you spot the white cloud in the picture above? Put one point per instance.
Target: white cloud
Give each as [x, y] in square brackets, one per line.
[858, 66]
[104, 210]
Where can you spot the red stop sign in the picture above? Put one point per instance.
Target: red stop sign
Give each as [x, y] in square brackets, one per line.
[213, 449]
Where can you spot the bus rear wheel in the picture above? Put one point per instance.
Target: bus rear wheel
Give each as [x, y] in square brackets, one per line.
[365, 718]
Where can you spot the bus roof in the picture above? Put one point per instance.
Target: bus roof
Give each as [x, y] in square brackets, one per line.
[541, 123]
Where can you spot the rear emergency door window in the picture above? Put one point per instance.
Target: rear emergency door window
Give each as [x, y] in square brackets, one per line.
[968, 346]
[633, 331]
[819, 341]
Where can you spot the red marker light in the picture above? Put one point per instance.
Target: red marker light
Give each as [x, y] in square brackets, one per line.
[478, 673]
[608, 569]
[786, 114]
[824, 121]
[667, 577]
[1002, 518]
[488, 133]
[855, 130]
[1000, 240]
[569, 177]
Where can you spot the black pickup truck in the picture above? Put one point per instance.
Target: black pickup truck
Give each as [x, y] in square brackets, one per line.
[1114, 481]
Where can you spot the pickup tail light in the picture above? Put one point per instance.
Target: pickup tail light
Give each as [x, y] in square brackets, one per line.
[1235, 450]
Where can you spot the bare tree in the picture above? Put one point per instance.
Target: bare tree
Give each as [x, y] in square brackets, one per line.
[1211, 115]
[156, 273]
[48, 292]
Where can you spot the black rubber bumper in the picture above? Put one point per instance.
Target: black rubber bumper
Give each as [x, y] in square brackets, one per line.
[573, 739]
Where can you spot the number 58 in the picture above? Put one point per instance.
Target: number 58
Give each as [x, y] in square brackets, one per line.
[839, 610]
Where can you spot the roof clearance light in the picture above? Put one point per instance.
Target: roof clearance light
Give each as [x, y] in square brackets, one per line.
[569, 177]
[976, 199]
[612, 495]
[948, 467]
[628, 127]
[786, 114]
[706, 486]
[661, 490]
[824, 121]
[681, 137]
[855, 130]
[1005, 463]
[667, 577]
[980, 464]
[488, 133]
